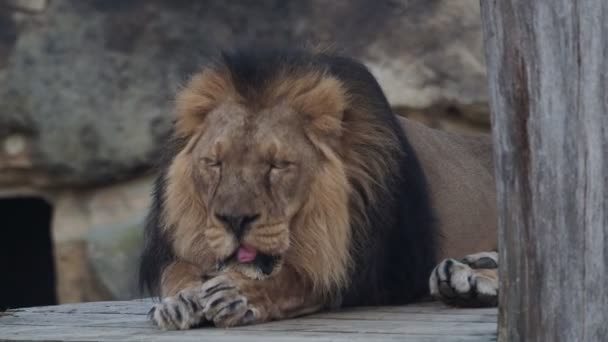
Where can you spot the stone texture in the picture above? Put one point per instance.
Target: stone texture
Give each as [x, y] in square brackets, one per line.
[87, 85]
[97, 234]
[27, 5]
[76, 283]
[114, 252]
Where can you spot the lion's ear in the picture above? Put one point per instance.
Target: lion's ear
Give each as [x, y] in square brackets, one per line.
[324, 105]
[321, 98]
[205, 91]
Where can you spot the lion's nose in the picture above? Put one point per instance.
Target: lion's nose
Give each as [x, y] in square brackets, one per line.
[237, 223]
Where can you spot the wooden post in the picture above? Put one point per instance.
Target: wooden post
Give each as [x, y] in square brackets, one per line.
[547, 66]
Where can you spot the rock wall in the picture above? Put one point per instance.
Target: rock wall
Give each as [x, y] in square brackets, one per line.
[86, 89]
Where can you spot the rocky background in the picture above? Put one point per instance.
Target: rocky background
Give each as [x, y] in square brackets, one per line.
[86, 89]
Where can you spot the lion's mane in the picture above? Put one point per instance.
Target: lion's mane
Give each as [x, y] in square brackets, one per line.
[366, 234]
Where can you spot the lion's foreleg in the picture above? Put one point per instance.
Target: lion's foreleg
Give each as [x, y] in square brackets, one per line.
[470, 282]
[191, 298]
[232, 299]
[180, 275]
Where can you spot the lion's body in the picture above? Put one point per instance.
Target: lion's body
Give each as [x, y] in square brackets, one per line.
[460, 174]
[290, 186]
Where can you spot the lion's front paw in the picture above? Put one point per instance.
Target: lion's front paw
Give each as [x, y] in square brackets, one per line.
[471, 282]
[226, 302]
[179, 312]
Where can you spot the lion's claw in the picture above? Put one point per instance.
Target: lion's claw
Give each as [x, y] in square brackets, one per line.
[178, 312]
[225, 305]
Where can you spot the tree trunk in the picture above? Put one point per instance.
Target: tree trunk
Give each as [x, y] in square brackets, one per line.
[548, 80]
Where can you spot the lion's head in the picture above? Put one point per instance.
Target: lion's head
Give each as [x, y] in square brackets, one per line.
[261, 181]
[286, 161]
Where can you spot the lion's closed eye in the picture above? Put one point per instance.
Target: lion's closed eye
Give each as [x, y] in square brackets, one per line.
[281, 165]
[211, 162]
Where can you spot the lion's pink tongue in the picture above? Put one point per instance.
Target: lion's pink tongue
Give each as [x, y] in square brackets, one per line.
[246, 254]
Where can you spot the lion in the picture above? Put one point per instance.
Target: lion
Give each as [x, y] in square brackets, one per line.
[288, 186]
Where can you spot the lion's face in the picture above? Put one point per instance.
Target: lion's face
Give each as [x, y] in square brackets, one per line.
[259, 183]
[254, 170]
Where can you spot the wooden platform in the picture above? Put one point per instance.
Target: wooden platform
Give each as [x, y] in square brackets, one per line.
[126, 321]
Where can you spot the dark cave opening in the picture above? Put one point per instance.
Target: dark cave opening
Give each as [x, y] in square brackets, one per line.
[27, 276]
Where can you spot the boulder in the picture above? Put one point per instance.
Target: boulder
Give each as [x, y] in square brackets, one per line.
[87, 86]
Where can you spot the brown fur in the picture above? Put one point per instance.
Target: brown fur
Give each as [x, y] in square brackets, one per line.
[319, 244]
[321, 231]
[178, 276]
[310, 209]
[460, 175]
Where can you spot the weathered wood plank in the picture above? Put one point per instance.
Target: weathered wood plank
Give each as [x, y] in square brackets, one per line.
[548, 79]
[126, 321]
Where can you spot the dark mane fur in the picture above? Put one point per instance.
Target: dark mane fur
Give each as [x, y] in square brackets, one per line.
[157, 252]
[399, 252]
[394, 251]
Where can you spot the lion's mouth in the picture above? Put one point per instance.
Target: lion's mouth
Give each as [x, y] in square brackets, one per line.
[248, 255]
